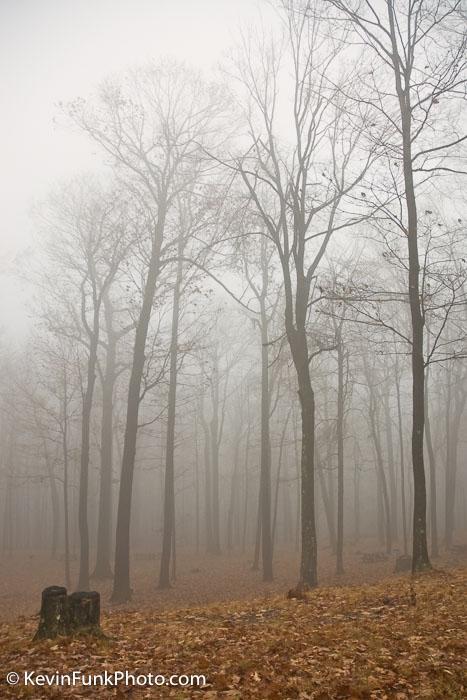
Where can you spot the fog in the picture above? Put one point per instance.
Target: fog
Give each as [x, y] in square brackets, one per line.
[53, 51]
[233, 296]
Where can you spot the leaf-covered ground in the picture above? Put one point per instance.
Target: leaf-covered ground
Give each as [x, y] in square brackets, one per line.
[386, 640]
[201, 579]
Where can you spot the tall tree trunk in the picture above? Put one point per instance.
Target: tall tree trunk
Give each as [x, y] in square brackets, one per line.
[169, 483]
[66, 516]
[295, 316]
[309, 550]
[309, 554]
[214, 427]
[380, 511]
[103, 568]
[54, 500]
[7, 540]
[373, 414]
[327, 505]
[432, 463]
[83, 578]
[288, 529]
[257, 552]
[356, 500]
[420, 558]
[453, 420]
[401, 460]
[196, 488]
[340, 458]
[233, 505]
[246, 480]
[121, 585]
[207, 482]
[327, 486]
[391, 467]
[53, 488]
[447, 481]
[265, 467]
[278, 477]
[298, 513]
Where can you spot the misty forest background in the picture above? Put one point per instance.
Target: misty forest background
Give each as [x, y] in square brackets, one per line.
[248, 325]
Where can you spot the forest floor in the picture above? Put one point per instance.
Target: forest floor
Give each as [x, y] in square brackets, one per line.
[396, 638]
[386, 640]
[201, 579]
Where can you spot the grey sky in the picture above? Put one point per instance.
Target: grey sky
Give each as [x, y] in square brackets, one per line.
[52, 50]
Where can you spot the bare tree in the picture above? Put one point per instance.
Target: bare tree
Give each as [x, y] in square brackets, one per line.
[418, 45]
[150, 123]
[88, 244]
[298, 200]
[260, 285]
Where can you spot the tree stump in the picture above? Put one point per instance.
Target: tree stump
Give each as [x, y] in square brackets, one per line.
[54, 613]
[403, 563]
[84, 612]
[62, 614]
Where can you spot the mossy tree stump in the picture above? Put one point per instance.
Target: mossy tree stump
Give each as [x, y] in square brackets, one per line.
[54, 613]
[65, 615]
[84, 612]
